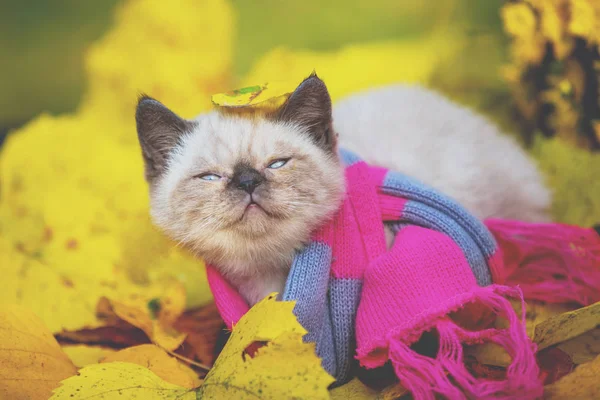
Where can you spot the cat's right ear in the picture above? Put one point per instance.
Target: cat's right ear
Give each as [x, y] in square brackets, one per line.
[159, 130]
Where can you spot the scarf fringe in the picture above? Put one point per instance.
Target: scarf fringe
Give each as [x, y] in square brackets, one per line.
[446, 374]
[555, 263]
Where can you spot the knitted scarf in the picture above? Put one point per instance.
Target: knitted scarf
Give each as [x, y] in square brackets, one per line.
[358, 300]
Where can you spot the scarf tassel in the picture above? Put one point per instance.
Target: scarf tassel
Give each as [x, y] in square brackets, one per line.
[446, 375]
[554, 263]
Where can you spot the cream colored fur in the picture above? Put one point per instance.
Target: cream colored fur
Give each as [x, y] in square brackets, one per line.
[408, 129]
[422, 134]
[253, 249]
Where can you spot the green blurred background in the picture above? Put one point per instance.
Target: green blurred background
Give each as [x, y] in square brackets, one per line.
[42, 43]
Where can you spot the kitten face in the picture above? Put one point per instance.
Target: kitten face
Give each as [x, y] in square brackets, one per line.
[245, 193]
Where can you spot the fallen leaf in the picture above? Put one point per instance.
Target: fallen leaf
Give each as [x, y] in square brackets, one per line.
[269, 374]
[583, 348]
[121, 336]
[583, 383]
[393, 392]
[566, 326]
[554, 364]
[155, 316]
[480, 370]
[31, 361]
[538, 312]
[83, 355]
[119, 380]
[171, 305]
[489, 354]
[353, 390]
[202, 327]
[158, 361]
[166, 337]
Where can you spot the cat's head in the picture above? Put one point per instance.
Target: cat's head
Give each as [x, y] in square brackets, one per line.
[234, 188]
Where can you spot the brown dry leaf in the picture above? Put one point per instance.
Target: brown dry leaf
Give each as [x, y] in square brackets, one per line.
[566, 326]
[202, 327]
[583, 348]
[583, 383]
[31, 361]
[158, 361]
[554, 364]
[353, 390]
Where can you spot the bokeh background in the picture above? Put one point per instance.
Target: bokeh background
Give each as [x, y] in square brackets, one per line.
[74, 222]
[43, 42]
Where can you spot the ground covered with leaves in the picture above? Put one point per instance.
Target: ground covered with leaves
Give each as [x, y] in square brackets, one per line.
[96, 302]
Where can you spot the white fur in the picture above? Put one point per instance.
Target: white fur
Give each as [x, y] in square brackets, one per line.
[422, 134]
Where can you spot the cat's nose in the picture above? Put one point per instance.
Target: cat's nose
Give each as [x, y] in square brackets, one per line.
[248, 180]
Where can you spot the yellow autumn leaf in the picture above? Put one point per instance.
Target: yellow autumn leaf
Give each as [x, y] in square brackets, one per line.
[583, 18]
[285, 368]
[566, 326]
[583, 348]
[536, 313]
[583, 383]
[164, 336]
[83, 355]
[125, 381]
[519, 19]
[393, 392]
[353, 390]
[158, 361]
[31, 361]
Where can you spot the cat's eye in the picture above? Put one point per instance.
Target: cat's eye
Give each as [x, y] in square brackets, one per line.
[209, 177]
[278, 163]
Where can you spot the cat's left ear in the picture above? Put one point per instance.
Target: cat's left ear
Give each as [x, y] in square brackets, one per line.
[309, 107]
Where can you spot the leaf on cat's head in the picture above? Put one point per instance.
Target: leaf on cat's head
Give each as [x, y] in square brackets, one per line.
[271, 94]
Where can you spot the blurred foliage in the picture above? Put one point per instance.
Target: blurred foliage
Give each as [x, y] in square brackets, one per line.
[46, 40]
[555, 67]
[42, 43]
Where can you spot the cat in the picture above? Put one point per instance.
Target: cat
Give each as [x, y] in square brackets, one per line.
[245, 194]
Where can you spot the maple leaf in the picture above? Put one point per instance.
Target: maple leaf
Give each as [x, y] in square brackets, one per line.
[31, 361]
[269, 374]
[120, 380]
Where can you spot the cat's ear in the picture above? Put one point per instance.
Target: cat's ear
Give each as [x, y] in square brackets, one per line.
[309, 107]
[159, 130]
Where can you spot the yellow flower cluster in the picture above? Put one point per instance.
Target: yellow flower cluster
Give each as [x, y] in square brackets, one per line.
[554, 65]
[74, 222]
